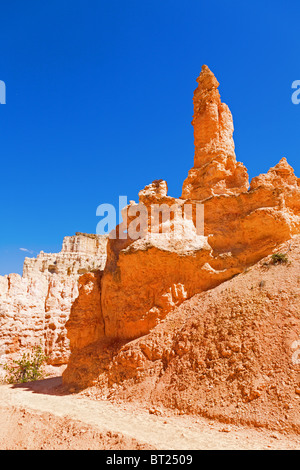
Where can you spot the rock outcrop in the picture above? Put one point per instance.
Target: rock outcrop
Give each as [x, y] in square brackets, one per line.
[216, 170]
[231, 353]
[34, 307]
[147, 276]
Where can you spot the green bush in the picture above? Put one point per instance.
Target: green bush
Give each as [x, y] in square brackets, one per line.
[279, 258]
[28, 368]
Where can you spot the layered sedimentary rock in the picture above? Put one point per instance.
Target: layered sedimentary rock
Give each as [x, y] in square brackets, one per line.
[34, 307]
[215, 170]
[156, 262]
[80, 253]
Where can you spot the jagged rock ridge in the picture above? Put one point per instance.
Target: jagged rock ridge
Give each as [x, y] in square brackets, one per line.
[35, 306]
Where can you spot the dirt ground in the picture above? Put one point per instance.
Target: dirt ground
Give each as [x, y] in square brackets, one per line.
[41, 415]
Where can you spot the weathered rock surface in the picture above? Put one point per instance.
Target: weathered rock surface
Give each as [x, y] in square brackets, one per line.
[216, 170]
[231, 353]
[147, 277]
[35, 307]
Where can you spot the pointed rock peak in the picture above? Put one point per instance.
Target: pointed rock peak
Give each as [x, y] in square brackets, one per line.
[285, 171]
[278, 176]
[206, 79]
[283, 164]
[157, 189]
[216, 170]
[212, 121]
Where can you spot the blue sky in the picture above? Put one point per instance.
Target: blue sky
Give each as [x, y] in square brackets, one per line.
[99, 103]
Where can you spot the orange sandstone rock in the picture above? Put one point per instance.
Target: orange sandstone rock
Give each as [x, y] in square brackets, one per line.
[232, 353]
[147, 277]
[86, 322]
[216, 170]
[280, 176]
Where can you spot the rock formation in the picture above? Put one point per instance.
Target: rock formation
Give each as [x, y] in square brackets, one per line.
[231, 353]
[216, 170]
[147, 277]
[35, 307]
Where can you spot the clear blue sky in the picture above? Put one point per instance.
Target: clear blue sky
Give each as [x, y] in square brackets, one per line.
[99, 102]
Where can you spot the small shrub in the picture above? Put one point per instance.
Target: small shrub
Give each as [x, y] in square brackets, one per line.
[279, 258]
[28, 368]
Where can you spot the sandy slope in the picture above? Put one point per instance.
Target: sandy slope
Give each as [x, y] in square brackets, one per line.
[230, 353]
[39, 416]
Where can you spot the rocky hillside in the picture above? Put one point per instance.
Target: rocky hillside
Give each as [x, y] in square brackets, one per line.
[127, 328]
[231, 353]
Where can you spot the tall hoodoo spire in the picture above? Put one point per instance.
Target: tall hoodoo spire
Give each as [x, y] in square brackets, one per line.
[216, 170]
[212, 120]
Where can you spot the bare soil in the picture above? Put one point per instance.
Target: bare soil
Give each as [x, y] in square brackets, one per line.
[42, 415]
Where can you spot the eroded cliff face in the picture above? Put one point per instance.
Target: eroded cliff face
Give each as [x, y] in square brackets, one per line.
[34, 307]
[146, 278]
[231, 353]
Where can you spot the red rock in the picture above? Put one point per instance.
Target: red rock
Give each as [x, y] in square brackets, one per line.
[216, 170]
[145, 279]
